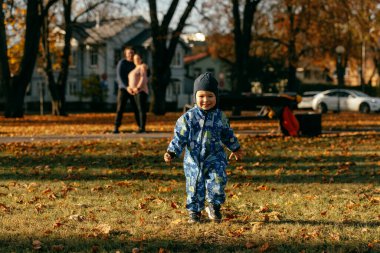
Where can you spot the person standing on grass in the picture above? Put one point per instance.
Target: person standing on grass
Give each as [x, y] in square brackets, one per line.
[123, 68]
[203, 131]
[138, 88]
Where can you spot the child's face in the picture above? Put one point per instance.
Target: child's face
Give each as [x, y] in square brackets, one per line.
[206, 100]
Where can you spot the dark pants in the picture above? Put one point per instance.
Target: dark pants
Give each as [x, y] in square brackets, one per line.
[141, 105]
[122, 98]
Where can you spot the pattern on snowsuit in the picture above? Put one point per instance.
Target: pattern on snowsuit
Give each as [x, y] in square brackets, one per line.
[203, 135]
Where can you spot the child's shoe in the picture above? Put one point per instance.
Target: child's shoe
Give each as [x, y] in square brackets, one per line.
[194, 217]
[213, 212]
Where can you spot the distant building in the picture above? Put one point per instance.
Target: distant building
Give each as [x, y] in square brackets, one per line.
[203, 62]
[96, 50]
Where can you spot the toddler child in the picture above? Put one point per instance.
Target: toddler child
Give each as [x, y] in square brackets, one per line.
[203, 131]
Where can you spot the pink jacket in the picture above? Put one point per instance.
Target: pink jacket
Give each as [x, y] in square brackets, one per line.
[138, 78]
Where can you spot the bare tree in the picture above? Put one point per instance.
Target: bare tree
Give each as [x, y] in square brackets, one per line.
[57, 87]
[243, 38]
[163, 49]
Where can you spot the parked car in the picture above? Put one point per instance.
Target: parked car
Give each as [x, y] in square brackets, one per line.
[349, 100]
[307, 99]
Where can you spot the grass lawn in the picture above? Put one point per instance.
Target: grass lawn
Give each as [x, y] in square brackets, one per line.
[318, 194]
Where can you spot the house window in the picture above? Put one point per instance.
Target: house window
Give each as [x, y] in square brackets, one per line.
[197, 72]
[211, 70]
[73, 58]
[307, 74]
[172, 90]
[93, 56]
[117, 54]
[177, 59]
[73, 88]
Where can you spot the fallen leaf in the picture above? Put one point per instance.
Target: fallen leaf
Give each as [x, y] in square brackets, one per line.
[176, 222]
[174, 205]
[263, 209]
[264, 247]
[47, 190]
[262, 188]
[124, 183]
[249, 245]
[59, 247]
[4, 208]
[36, 244]
[103, 229]
[164, 189]
[77, 217]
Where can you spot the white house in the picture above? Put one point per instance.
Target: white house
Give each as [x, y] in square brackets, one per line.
[96, 49]
[204, 62]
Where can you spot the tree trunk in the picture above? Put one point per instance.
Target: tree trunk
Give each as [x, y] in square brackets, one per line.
[17, 87]
[292, 52]
[158, 106]
[292, 78]
[15, 94]
[5, 77]
[163, 48]
[159, 83]
[243, 39]
[62, 78]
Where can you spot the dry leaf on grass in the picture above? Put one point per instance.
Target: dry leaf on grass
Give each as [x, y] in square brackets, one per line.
[36, 244]
[176, 222]
[103, 229]
[59, 247]
[264, 247]
[165, 189]
[249, 245]
[263, 209]
[77, 217]
[174, 205]
[4, 208]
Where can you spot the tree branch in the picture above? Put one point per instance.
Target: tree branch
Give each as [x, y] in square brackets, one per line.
[181, 24]
[90, 8]
[168, 16]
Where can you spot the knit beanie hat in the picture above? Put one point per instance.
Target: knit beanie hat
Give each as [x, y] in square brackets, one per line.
[206, 82]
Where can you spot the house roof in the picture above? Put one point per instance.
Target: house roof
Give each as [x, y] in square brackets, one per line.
[92, 33]
[193, 58]
[141, 39]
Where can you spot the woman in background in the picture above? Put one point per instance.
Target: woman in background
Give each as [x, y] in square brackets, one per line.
[138, 87]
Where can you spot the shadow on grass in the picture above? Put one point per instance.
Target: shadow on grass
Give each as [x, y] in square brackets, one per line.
[152, 167]
[372, 224]
[113, 243]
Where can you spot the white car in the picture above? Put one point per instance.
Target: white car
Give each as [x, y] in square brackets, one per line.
[345, 100]
[307, 99]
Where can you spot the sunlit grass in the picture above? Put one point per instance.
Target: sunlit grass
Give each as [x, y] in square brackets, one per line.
[288, 195]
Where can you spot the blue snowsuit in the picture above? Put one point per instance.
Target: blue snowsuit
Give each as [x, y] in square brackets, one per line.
[204, 134]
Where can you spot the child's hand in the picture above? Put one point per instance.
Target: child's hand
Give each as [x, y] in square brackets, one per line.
[237, 154]
[167, 157]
